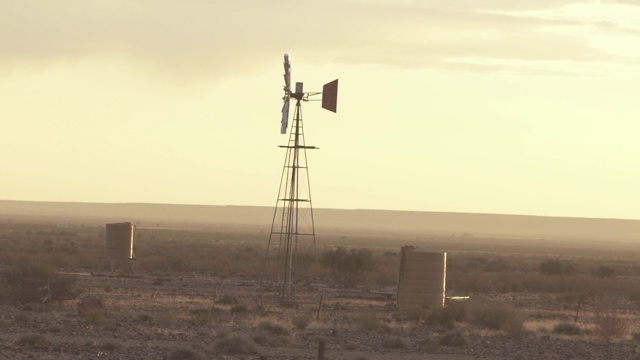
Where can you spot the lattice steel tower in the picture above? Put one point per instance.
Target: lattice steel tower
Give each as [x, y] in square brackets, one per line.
[293, 214]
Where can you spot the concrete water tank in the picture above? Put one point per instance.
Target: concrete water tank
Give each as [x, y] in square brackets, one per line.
[422, 278]
[119, 241]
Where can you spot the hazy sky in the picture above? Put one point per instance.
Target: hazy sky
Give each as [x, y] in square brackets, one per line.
[494, 106]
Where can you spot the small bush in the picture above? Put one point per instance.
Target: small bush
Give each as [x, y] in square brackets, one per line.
[368, 322]
[452, 338]
[227, 300]
[238, 309]
[184, 353]
[235, 344]
[604, 271]
[109, 346]
[33, 340]
[201, 317]
[91, 310]
[273, 328]
[496, 318]
[447, 315]
[566, 328]
[22, 317]
[394, 343]
[557, 267]
[38, 283]
[300, 321]
[348, 267]
[412, 315]
[610, 326]
[271, 333]
[144, 317]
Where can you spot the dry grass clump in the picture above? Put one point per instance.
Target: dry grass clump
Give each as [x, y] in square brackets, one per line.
[184, 353]
[144, 317]
[271, 333]
[497, 317]
[33, 340]
[394, 342]
[36, 283]
[565, 328]
[301, 321]
[411, 315]
[227, 300]
[453, 339]
[109, 346]
[238, 309]
[22, 317]
[201, 317]
[91, 310]
[368, 322]
[609, 326]
[236, 344]
[447, 316]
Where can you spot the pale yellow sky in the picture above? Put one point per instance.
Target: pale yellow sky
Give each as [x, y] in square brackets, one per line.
[515, 107]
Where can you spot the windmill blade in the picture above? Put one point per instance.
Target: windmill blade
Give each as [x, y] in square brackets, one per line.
[285, 116]
[284, 123]
[287, 73]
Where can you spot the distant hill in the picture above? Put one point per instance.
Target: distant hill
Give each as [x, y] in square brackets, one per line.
[328, 220]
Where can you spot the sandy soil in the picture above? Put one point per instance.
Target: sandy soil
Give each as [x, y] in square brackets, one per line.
[151, 317]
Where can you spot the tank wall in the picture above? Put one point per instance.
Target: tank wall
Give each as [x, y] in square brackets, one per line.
[119, 241]
[422, 278]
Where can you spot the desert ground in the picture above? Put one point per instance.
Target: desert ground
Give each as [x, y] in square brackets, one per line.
[201, 290]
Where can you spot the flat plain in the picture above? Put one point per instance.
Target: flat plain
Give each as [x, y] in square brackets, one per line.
[202, 291]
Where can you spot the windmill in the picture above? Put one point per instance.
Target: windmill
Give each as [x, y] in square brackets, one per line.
[293, 214]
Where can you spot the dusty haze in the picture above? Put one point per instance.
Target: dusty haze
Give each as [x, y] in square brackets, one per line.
[332, 220]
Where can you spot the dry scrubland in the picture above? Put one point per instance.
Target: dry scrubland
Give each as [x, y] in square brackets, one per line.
[201, 294]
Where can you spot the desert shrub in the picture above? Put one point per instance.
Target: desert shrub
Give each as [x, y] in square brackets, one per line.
[227, 300]
[271, 333]
[159, 281]
[273, 328]
[394, 342]
[300, 321]
[22, 317]
[452, 338]
[448, 315]
[348, 267]
[557, 267]
[144, 317]
[238, 309]
[604, 271]
[609, 326]
[33, 340]
[95, 317]
[91, 310]
[235, 344]
[496, 264]
[109, 346]
[368, 322]
[496, 317]
[38, 283]
[184, 353]
[566, 328]
[412, 315]
[201, 316]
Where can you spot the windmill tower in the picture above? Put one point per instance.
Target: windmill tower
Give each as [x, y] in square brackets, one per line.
[293, 214]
